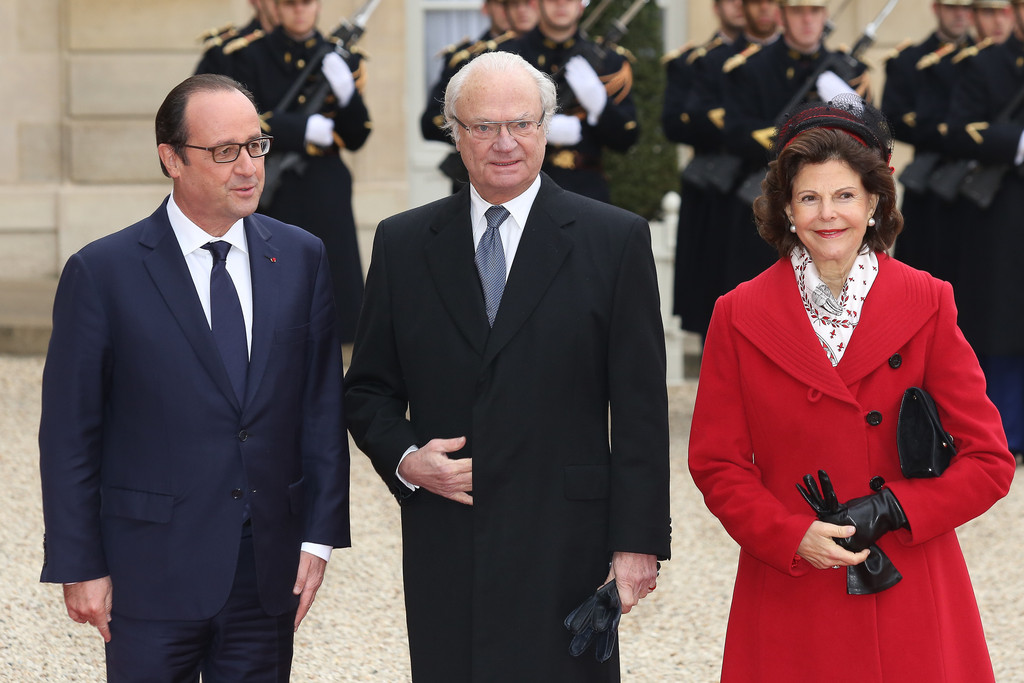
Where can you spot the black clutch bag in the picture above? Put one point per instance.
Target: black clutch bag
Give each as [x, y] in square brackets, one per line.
[925, 448]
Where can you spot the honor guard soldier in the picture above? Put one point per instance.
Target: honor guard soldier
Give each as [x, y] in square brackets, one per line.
[214, 61]
[759, 89]
[986, 126]
[918, 84]
[597, 109]
[694, 114]
[454, 57]
[316, 192]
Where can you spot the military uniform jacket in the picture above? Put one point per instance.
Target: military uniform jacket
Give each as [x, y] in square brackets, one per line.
[758, 91]
[270, 66]
[617, 126]
[683, 74]
[990, 288]
[918, 85]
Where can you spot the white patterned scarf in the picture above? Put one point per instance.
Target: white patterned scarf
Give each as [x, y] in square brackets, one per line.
[834, 320]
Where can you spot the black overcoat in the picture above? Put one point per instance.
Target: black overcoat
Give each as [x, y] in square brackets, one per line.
[577, 344]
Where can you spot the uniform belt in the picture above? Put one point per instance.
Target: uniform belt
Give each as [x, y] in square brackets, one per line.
[572, 160]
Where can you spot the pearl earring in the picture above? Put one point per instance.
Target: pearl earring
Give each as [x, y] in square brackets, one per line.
[792, 228]
[871, 222]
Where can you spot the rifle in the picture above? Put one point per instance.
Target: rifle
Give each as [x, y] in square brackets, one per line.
[839, 62]
[983, 181]
[595, 52]
[341, 40]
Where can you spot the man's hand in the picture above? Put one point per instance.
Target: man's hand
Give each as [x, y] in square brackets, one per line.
[307, 582]
[89, 602]
[636, 575]
[432, 469]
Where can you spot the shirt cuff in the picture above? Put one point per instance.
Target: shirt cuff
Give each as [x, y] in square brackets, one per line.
[1019, 159]
[412, 487]
[318, 549]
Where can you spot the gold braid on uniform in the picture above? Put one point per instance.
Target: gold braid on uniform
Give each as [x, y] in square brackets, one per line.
[618, 84]
[244, 41]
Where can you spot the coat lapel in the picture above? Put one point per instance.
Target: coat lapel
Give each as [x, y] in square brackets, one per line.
[265, 271]
[166, 266]
[896, 308]
[770, 314]
[450, 261]
[542, 250]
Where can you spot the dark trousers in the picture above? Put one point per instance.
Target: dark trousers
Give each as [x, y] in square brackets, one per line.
[1005, 377]
[239, 643]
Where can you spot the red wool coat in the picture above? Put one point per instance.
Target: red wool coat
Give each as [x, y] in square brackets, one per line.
[770, 408]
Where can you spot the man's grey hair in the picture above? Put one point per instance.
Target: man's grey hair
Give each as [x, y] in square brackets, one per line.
[496, 64]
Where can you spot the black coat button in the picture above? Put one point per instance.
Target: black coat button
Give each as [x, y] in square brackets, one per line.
[895, 360]
[874, 418]
[243, 435]
[236, 494]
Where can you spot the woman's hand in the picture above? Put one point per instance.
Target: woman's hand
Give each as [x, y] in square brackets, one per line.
[818, 548]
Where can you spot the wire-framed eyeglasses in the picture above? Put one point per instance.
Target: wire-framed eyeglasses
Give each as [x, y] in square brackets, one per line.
[228, 152]
[489, 130]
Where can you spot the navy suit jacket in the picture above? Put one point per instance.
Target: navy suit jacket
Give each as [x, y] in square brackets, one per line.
[148, 460]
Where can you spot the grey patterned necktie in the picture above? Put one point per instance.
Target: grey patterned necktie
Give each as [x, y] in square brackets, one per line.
[490, 261]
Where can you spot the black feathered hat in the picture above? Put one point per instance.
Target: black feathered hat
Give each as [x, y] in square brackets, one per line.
[847, 113]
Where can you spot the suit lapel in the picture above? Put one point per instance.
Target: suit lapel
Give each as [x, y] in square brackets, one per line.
[450, 262]
[166, 266]
[541, 252]
[265, 272]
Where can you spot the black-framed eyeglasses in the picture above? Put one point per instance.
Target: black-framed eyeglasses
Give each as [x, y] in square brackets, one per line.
[489, 130]
[228, 152]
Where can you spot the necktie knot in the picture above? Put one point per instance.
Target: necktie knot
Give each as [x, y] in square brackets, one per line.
[218, 249]
[495, 216]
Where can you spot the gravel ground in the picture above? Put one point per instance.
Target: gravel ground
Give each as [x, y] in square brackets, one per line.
[356, 630]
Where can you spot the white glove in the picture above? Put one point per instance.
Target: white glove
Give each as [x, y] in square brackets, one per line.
[340, 77]
[320, 130]
[1019, 158]
[565, 130]
[829, 86]
[587, 87]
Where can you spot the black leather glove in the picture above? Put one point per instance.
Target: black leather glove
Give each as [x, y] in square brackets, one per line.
[596, 619]
[873, 516]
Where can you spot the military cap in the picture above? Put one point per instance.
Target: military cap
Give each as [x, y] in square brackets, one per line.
[956, 3]
[990, 4]
[803, 3]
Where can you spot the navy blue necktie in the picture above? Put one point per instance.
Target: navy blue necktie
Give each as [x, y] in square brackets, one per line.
[490, 261]
[226, 319]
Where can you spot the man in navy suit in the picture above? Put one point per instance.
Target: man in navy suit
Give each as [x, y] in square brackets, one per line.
[504, 330]
[194, 488]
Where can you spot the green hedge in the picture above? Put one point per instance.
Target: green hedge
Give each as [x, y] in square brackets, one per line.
[641, 177]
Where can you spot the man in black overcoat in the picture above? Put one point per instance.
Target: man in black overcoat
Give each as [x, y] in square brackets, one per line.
[488, 414]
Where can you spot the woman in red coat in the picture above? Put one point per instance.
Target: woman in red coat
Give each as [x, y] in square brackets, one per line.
[804, 369]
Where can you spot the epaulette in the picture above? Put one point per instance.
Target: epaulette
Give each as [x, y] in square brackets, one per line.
[238, 43]
[740, 58]
[971, 51]
[700, 52]
[625, 53]
[491, 44]
[216, 36]
[675, 54]
[893, 53]
[452, 48]
[935, 56]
